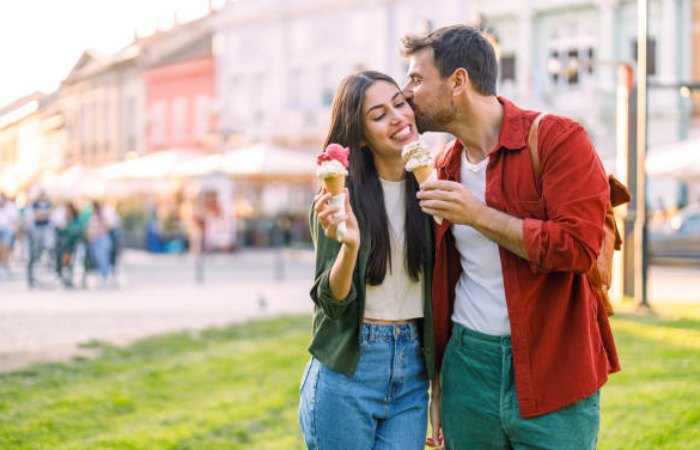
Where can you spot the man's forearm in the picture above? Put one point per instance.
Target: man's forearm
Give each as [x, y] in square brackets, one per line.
[503, 229]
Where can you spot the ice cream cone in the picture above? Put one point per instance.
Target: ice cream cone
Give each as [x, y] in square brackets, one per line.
[334, 185]
[422, 173]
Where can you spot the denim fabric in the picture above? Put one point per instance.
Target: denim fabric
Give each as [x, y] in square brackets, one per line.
[382, 406]
[100, 249]
[479, 407]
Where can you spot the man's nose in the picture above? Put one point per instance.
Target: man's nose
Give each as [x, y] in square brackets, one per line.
[407, 91]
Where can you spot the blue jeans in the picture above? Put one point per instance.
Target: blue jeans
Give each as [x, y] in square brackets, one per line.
[100, 249]
[382, 406]
[479, 406]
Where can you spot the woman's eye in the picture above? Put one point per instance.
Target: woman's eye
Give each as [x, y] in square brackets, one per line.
[378, 118]
[400, 105]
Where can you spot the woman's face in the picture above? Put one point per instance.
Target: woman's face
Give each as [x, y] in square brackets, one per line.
[388, 120]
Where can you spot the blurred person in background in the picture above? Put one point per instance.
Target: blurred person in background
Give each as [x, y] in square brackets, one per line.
[8, 229]
[40, 230]
[366, 385]
[70, 234]
[99, 241]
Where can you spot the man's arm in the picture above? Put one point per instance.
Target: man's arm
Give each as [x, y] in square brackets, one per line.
[454, 202]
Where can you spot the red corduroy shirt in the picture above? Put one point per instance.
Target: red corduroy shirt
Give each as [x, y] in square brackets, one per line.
[563, 348]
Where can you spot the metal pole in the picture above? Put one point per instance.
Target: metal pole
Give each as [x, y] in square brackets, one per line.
[640, 260]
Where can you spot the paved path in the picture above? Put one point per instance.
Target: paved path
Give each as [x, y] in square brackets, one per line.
[160, 295]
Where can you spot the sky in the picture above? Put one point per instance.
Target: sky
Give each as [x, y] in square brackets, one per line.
[41, 40]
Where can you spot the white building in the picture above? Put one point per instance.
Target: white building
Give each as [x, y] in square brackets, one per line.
[279, 61]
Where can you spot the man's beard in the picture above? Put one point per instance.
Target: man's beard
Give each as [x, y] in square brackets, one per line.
[436, 120]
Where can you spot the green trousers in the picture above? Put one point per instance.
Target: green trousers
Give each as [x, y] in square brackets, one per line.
[479, 407]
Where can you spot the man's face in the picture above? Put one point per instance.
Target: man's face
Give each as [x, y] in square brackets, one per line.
[427, 93]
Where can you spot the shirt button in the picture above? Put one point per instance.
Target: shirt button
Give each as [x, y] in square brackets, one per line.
[398, 330]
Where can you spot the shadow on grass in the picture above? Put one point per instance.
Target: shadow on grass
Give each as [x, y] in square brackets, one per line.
[658, 320]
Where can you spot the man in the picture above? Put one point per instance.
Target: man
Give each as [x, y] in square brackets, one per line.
[529, 345]
[40, 230]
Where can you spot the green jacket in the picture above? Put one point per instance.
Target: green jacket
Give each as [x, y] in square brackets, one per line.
[337, 324]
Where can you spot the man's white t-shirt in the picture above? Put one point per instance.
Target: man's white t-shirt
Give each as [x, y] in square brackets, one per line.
[480, 298]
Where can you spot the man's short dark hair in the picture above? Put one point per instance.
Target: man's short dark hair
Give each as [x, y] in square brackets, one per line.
[459, 46]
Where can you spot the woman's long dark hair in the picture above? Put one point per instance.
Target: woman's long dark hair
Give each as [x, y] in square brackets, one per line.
[347, 129]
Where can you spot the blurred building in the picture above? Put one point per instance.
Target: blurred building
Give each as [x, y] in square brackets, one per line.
[695, 58]
[101, 101]
[179, 76]
[279, 61]
[23, 151]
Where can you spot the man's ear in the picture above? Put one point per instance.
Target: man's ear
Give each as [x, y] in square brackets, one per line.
[460, 81]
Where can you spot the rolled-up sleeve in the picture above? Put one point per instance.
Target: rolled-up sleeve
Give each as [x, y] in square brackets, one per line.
[576, 195]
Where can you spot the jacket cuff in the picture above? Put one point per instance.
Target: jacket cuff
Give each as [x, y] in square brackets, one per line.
[332, 307]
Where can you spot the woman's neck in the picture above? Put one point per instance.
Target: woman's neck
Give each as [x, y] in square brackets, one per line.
[390, 170]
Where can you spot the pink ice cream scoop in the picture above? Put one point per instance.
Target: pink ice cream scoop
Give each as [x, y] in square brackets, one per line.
[334, 152]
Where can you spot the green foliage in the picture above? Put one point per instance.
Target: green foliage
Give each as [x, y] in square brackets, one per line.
[237, 388]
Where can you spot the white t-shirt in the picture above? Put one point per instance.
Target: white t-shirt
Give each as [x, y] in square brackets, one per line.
[8, 216]
[398, 297]
[480, 299]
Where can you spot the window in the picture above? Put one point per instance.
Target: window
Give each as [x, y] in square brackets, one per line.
[203, 112]
[158, 122]
[294, 89]
[507, 68]
[179, 118]
[651, 55]
[131, 124]
[554, 66]
[573, 66]
[571, 54]
[326, 85]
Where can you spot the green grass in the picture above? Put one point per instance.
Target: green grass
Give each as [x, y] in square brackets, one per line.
[230, 388]
[654, 402]
[237, 387]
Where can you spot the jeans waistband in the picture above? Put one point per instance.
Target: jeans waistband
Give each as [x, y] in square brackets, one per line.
[465, 334]
[401, 331]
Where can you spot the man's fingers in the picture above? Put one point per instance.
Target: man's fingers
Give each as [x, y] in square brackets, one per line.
[436, 205]
[444, 185]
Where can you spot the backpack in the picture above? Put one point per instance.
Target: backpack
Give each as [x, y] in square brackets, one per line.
[600, 275]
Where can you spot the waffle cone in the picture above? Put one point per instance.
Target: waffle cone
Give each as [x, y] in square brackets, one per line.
[334, 185]
[422, 173]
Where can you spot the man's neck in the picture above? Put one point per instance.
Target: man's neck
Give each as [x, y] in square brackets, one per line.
[479, 126]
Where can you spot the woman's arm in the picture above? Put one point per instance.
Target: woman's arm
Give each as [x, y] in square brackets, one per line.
[340, 279]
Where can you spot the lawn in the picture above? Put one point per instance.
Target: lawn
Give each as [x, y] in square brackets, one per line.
[237, 387]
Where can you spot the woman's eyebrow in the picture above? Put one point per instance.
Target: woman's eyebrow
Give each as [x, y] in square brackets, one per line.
[381, 105]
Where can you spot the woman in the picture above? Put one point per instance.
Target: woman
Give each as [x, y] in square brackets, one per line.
[366, 386]
[100, 242]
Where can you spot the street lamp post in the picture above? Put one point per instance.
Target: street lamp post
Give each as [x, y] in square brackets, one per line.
[640, 225]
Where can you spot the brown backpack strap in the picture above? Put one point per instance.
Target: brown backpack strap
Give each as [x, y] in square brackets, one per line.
[532, 143]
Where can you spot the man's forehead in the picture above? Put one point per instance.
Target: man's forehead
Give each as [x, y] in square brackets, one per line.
[422, 60]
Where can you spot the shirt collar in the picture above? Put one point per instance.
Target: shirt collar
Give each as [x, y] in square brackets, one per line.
[513, 134]
[511, 137]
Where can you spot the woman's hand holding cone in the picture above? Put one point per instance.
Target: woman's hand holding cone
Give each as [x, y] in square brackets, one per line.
[329, 218]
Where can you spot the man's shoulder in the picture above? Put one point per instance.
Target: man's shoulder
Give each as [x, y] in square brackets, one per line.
[556, 128]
